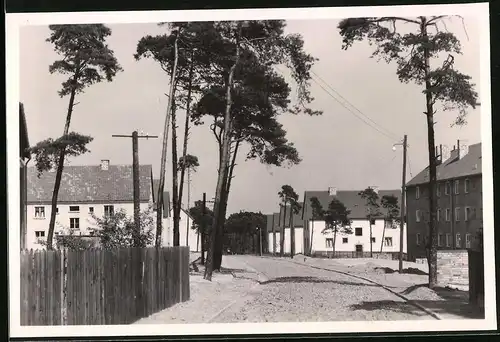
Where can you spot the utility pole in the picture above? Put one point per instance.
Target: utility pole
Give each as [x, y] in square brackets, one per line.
[135, 175]
[403, 205]
[203, 213]
[260, 240]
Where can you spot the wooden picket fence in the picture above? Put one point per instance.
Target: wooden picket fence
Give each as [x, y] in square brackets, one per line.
[98, 286]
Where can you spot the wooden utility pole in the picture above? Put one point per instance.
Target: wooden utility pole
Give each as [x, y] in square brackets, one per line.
[260, 240]
[135, 175]
[403, 205]
[202, 227]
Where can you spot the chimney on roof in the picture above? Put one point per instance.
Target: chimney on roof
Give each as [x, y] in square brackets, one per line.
[104, 164]
[458, 149]
[332, 191]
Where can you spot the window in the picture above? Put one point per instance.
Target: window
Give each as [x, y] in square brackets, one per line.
[388, 241]
[457, 185]
[40, 233]
[417, 215]
[447, 188]
[440, 240]
[74, 208]
[438, 215]
[457, 214]
[447, 214]
[467, 214]
[109, 210]
[329, 243]
[373, 240]
[345, 240]
[418, 239]
[74, 223]
[448, 240]
[438, 189]
[457, 241]
[417, 192]
[91, 210]
[466, 186]
[467, 240]
[358, 231]
[39, 212]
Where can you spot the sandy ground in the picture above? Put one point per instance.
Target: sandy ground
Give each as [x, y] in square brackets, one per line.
[254, 289]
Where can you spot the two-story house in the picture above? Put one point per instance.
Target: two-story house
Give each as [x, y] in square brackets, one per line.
[85, 191]
[24, 158]
[459, 202]
[187, 235]
[385, 234]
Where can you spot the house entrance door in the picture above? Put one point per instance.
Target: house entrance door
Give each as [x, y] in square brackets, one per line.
[359, 251]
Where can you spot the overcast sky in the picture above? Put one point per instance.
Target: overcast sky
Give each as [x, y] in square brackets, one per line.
[337, 148]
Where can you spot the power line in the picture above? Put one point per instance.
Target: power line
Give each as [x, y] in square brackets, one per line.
[356, 115]
[353, 106]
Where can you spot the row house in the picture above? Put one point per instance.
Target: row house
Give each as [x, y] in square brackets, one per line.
[312, 237]
[86, 191]
[459, 202]
[187, 235]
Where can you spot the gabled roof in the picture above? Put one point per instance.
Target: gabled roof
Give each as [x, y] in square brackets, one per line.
[24, 142]
[454, 167]
[273, 219]
[86, 184]
[351, 199]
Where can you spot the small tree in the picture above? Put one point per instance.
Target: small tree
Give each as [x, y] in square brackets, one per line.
[199, 221]
[187, 163]
[287, 195]
[337, 220]
[317, 214]
[373, 210]
[87, 60]
[391, 206]
[118, 230]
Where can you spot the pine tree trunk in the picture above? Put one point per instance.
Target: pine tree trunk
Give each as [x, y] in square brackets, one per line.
[161, 187]
[312, 237]
[282, 234]
[185, 147]
[292, 235]
[382, 242]
[433, 233]
[59, 171]
[217, 226]
[334, 241]
[175, 190]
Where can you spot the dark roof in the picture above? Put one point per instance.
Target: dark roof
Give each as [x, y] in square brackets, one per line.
[351, 199]
[23, 133]
[272, 219]
[90, 184]
[297, 218]
[454, 167]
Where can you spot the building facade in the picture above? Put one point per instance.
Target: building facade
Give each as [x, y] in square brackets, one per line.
[187, 235]
[385, 235]
[459, 203]
[85, 191]
[24, 157]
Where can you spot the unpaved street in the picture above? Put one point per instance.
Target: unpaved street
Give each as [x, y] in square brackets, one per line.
[291, 292]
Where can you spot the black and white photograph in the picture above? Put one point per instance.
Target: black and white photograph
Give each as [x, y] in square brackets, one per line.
[250, 171]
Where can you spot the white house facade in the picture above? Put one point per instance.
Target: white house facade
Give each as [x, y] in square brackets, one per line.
[187, 235]
[85, 191]
[311, 237]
